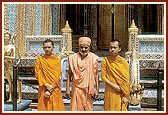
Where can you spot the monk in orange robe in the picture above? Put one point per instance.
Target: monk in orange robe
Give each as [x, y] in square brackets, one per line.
[48, 73]
[83, 67]
[115, 74]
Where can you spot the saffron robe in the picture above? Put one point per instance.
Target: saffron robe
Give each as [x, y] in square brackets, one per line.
[83, 81]
[48, 70]
[116, 71]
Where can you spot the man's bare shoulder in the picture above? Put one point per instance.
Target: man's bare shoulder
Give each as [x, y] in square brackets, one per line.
[72, 55]
[93, 54]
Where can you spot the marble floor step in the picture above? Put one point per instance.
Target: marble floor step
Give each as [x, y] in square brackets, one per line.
[28, 109]
[24, 105]
[97, 105]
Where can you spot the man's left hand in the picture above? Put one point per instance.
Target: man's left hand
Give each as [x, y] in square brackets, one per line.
[124, 100]
[96, 94]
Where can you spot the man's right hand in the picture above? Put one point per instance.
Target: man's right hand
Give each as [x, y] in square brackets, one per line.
[68, 95]
[47, 94]
[49, 87]
[117, 88]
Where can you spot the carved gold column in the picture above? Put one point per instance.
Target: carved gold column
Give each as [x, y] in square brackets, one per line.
[20, 26]
[50, 21]
[45, 19]
[31, 25]
[5, 16]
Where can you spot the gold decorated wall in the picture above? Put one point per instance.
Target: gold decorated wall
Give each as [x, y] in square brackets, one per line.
[104, 21]
[27, 20]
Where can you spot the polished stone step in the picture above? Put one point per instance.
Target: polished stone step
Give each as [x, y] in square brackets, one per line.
[23, 106]
[149, 98]
[28, 109]
[97, 105]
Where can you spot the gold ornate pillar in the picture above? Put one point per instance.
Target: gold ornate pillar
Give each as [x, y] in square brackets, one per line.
[5, 16]
[20, 26]
[45, 18]
[31, 25]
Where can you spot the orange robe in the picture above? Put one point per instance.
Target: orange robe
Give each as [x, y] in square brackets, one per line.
[48, 70]
[83, 81]
[117, 72]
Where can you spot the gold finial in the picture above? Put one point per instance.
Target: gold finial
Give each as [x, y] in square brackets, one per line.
[67, 25]
[133, 24]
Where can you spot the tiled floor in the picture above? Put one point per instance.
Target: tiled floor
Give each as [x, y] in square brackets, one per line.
[34, 108]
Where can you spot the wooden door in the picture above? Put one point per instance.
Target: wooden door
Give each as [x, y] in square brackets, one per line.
[104, 26]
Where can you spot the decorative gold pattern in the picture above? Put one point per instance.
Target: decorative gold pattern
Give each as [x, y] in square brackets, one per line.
[20, 28]
[5, 16]
[45, 19]
[32, 14]
[50, 21]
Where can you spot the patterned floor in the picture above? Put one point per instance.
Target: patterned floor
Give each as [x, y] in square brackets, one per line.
[34, 108]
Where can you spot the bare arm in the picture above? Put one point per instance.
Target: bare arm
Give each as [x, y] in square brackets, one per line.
[68, 76]
[97, 84]
[115, 87]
